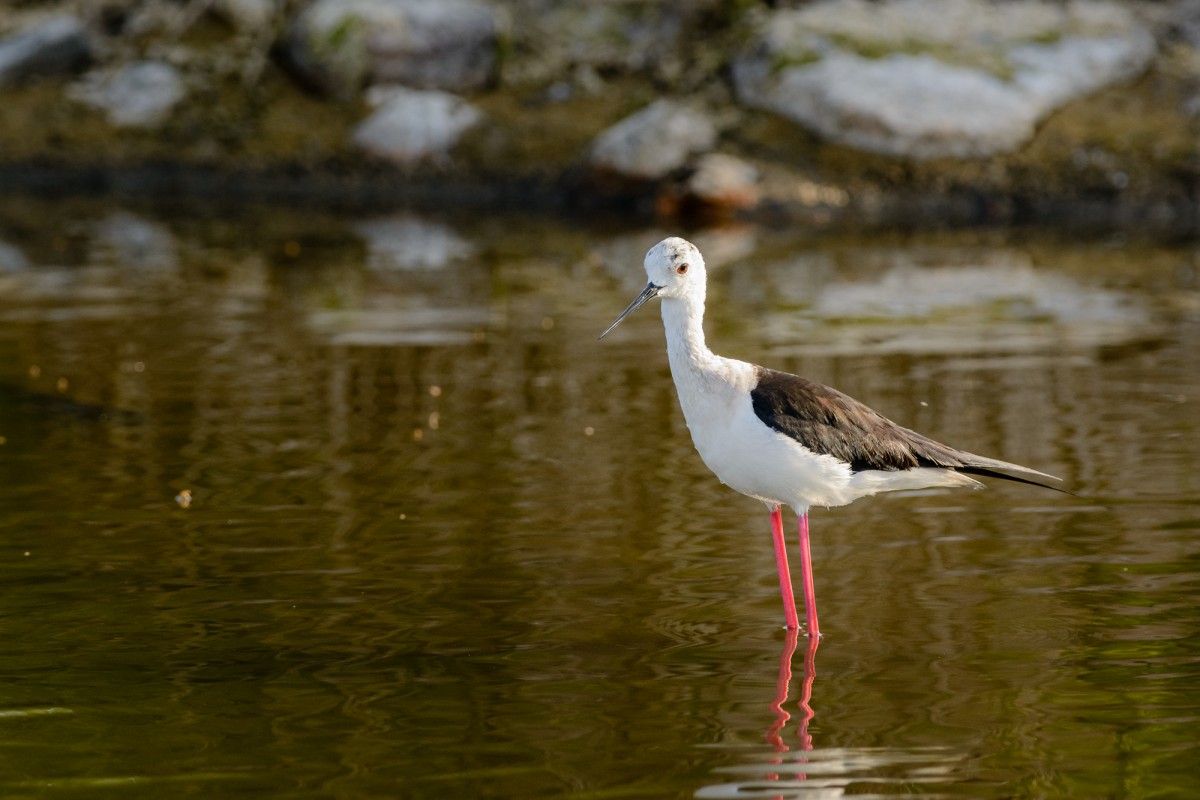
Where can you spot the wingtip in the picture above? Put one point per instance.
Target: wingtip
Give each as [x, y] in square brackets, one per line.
[1001, 474]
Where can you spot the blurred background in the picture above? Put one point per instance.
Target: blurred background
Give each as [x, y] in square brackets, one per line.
[315, 482]
[918, 112]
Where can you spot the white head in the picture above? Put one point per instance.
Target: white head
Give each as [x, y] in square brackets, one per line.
[676, 270]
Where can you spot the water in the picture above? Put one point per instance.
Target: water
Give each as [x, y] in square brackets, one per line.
[442, 543]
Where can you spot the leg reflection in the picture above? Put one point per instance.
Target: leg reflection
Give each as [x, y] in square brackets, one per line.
[806, 687]
[774, 734]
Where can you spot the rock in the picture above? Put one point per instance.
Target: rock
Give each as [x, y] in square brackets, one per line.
[613, 38]
[653, 142]
[1183, 22]
[138, 95]
[719, 186]
[54, 46]
[987, 74]
[248, 15]
[411, 125]
[342, 45]
[724, 181]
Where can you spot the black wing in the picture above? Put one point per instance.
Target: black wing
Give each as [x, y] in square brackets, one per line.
[831, 423]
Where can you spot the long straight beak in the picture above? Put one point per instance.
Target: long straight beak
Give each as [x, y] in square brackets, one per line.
[648, 293]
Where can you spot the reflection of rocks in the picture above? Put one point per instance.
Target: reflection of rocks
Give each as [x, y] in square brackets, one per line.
[405, 242]
[401, 326]
[409, 300]
[1003, 306]
[653, 142]
[55, 46]
[131, 241]
[1009, 289]
[341, 45]
[410, 126]
[12, 259]
[138, 95]
[981, 78]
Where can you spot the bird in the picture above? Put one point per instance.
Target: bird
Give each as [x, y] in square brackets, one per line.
[784, 439]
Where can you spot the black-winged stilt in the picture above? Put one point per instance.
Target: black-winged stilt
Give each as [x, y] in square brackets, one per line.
[784, 439]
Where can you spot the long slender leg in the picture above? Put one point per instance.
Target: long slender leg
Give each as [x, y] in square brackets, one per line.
[785, 575]
[806, 580]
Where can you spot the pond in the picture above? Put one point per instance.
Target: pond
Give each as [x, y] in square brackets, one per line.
[301, 505]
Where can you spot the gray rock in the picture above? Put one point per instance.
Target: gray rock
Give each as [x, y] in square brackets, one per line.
[725, 181]
[989, 75]
[54, 46]
[653, 142]
[341, 45]
[622, 37]
[138, 95]
[250, 15]
[410, 126]
[1183, 21]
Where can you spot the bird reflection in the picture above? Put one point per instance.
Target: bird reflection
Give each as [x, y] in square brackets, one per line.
[828, 772]
[774, 734]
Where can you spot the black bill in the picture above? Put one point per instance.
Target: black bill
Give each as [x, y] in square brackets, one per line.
[647, 294]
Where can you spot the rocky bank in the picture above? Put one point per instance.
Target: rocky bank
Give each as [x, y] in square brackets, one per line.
[900, 111]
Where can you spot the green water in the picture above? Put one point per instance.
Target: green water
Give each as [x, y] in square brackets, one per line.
[443, 543]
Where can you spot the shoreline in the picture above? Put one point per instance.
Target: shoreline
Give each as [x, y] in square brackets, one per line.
[362, 189]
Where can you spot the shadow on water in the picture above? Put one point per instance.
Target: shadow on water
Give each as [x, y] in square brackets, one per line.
[441, 542]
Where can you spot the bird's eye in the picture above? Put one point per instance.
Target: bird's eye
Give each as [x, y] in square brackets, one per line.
[682, 268]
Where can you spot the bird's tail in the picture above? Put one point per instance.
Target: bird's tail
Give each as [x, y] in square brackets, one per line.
[1003, 470]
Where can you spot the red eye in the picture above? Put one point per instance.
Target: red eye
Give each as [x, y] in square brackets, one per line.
[682, 268]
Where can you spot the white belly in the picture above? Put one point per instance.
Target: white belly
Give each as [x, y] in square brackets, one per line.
[753, 459]
[747, 455]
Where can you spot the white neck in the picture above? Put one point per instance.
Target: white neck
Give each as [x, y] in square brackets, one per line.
[683, 318]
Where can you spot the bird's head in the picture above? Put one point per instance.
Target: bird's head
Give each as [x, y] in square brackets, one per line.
[675, 269]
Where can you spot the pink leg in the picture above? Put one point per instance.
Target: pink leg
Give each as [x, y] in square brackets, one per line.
[806, 579]
[785, 575]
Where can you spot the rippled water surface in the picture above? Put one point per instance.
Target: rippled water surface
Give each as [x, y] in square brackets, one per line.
[304, 506]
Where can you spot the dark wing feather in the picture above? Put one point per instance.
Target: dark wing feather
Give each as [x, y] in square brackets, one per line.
[831, 423]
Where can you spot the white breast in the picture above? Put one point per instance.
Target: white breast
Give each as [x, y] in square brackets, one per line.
[750, 457]
[742, 451]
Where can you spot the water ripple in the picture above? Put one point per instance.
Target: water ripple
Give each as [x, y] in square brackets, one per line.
[838, 771]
